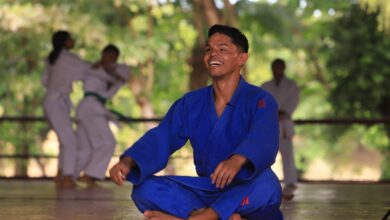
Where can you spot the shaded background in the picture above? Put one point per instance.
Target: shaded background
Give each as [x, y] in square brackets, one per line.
[338, 51]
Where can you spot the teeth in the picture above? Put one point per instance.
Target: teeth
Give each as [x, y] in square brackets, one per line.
[215, 63]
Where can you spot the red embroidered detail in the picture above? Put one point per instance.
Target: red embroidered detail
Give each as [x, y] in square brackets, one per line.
[245, 201]
[261, 103]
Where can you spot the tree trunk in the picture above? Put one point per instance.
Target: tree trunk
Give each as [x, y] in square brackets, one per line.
[142, 85]
[199, 75]
[205, 15]
[230, 14]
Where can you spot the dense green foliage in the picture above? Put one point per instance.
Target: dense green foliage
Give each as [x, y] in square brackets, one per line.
[358, 63]
[358, 68]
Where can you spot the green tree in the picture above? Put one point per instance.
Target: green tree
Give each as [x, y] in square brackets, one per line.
[359, 55]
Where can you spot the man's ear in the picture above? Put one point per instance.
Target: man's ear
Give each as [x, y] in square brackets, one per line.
[242, 58]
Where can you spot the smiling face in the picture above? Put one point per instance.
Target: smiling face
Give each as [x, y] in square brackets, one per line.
[222, 57]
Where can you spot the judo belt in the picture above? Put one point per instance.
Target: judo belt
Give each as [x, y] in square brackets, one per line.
[119, 115]
[98, 97]
[103, 101]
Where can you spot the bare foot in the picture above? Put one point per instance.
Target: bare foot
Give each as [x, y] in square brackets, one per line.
[197, 211]
[67, 183]
[157, 215]
[288, 192]
[58, 178]
[235, 216]
[90, 181]
[204, 214]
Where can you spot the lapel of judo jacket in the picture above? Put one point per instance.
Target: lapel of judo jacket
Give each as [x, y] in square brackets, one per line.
[213, 147]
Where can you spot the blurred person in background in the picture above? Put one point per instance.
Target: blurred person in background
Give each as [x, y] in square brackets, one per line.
[96, 141]
[286, 93]
[62, 68]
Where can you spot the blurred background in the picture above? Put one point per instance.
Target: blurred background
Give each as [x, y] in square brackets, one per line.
[338, 51]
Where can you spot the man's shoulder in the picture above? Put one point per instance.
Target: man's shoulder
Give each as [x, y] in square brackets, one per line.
[197, 94]
[254, 96]
[256, 91]
[68, 54]
[290, 80]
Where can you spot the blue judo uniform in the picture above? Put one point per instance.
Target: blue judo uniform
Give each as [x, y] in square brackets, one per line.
[248, 126]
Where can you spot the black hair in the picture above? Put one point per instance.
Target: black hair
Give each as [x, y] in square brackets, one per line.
[238, 38]
[58, 41]
[278, 61]
[111, 48]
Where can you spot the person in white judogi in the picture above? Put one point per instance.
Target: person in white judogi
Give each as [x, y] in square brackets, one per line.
[96, 140]
[61, 69]
[286, 93]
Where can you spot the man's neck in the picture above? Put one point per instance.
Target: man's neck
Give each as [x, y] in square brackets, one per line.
[278, 80]
[224, 88]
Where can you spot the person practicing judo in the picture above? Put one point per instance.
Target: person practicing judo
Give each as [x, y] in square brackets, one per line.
[233, 129]
[95, 138]
[62, 68]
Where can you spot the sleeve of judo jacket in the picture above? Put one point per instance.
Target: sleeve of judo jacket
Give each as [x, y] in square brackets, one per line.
[124, 71]
[260, 145]
[151, 151]
[77, 66]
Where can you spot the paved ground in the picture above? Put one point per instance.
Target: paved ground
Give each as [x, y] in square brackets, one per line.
[39, 199]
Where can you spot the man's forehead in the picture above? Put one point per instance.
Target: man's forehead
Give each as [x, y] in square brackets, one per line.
[219, 39]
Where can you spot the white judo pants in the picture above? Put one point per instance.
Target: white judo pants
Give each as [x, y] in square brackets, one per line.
[96, 146]
[289, 169]
[57, 113]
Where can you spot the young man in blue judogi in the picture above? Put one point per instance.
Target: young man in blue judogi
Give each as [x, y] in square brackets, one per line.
[233, 129]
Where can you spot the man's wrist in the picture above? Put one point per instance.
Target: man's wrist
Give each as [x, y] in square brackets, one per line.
[239, 159]
[128, 161]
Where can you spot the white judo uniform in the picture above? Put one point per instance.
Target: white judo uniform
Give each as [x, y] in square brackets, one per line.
[287, 97]
[58, 80]
[95, 138]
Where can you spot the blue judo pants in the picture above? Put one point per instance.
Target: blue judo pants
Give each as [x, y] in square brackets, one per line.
[258, 199]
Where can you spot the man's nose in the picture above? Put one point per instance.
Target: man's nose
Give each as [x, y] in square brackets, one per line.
[213, 52]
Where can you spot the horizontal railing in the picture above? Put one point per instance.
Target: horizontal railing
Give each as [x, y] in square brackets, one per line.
[41, 119]
[364, 121]
[33, 119]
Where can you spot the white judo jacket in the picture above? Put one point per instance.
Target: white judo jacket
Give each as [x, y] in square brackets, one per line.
[96, 81]
[58, 78]
[287, 97]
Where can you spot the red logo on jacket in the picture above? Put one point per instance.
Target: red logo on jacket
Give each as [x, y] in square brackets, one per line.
[261, 103]
[245, 201]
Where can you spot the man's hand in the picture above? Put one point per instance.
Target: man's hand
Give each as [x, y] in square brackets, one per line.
[225, 172]
[120, 170]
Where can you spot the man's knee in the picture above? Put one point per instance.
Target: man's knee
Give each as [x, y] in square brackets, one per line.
[149, 189]
[263, 200]
[153, 193]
